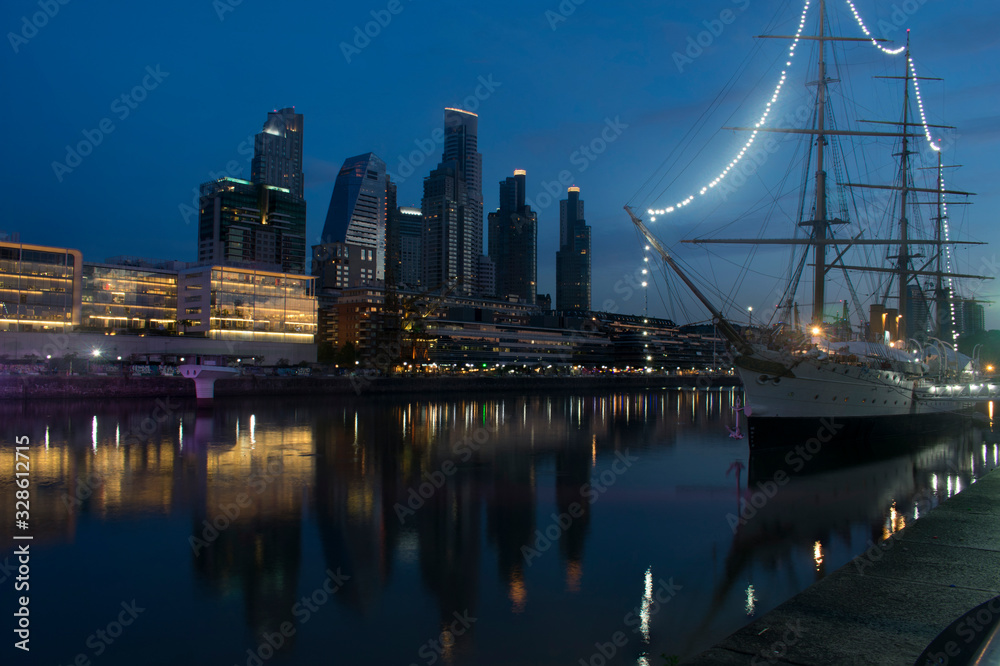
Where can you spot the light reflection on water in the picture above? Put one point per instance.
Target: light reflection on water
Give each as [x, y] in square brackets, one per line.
[519, 511]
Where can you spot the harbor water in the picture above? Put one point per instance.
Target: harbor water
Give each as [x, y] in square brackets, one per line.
[581, 527]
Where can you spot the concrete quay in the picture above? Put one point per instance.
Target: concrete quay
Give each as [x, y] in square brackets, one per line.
[887, 606]
[87, 387]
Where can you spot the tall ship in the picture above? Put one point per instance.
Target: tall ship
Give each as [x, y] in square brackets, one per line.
[896, 357]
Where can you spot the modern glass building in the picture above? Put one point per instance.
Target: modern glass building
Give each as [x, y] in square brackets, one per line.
[461, 146]
[239, 304]
[573, 257]
[252, 225]
[452, 241]
[404, 245]
[359, 207]
[40, 287]
[513, 242]
[277, 152]
[130, 294]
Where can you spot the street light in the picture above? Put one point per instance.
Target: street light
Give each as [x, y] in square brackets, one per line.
[750, 314]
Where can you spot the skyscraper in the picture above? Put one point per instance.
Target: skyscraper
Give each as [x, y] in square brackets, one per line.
[252, 225]
[277, 152]
[461, 145]
[404, 254]
[452, 206]
[442, 206]
[573, 257]
[513, 238]
[359, 207]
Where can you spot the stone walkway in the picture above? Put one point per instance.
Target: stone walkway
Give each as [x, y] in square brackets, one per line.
[886, 606]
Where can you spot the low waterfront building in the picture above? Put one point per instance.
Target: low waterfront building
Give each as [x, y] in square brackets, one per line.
[458, 343]
[454, 330]
[130, 294]
[353, 318]
[40, 287]
[341, 265]
[244, 305]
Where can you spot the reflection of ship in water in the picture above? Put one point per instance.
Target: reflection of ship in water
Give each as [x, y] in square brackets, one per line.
[893, 482]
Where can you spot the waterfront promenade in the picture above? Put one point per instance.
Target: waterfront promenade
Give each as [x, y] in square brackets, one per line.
[887, 605]
[91, 386]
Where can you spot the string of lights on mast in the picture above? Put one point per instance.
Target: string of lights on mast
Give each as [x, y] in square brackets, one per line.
[936, 147]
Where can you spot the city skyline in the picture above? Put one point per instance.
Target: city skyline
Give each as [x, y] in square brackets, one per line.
[650, 98]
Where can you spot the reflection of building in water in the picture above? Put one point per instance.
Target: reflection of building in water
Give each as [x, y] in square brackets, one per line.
[252, 497]
[573, 468]
[510, 511]
[359, 456]
[51, 516]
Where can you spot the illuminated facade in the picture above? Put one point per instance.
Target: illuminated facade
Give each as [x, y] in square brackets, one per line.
[130, 294]
[452, 206]
[359, 207]
[40, 287]
[252, 225]
[277, 152]
[241, 304]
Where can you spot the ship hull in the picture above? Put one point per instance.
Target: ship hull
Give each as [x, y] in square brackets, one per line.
[790, 402]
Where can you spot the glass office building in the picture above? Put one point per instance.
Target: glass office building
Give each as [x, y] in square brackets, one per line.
[139, 295]
[40, 287]
[228, 303]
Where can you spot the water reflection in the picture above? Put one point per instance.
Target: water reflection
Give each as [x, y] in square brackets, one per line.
[463, 507]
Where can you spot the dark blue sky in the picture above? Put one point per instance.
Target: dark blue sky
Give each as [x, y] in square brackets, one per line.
[556, 79]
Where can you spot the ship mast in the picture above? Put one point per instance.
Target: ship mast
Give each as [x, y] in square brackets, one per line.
[819, 224]
[904, 250]
[821, 235]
